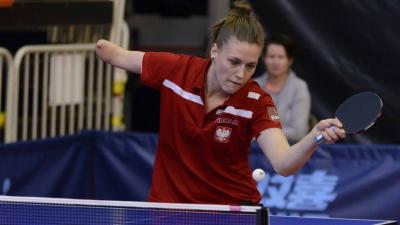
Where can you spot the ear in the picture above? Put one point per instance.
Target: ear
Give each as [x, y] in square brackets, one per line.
[214, 51]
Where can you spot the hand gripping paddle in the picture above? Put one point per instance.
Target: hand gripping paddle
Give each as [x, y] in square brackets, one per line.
[357, 113]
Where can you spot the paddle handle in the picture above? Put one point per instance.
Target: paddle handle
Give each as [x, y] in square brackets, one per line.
[319, 138]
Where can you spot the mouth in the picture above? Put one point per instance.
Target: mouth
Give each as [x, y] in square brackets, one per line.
[235, 83]
[275, 68]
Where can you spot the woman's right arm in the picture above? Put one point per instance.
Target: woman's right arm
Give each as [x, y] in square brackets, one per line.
[119, 57]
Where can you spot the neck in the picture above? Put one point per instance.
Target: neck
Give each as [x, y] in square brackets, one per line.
[278, 79]
[276, 83]
[213, 94]
[211, 87]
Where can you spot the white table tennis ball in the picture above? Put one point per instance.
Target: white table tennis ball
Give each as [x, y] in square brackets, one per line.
[258, 174]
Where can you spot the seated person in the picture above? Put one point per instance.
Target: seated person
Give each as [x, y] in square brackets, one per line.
[289, 92]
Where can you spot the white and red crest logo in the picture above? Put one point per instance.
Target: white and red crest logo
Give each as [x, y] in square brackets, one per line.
[222, 134]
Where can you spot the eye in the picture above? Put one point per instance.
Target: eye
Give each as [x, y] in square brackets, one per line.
[234, 61]
[250, 66]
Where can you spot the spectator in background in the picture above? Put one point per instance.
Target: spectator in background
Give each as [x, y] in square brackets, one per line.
[289, 92]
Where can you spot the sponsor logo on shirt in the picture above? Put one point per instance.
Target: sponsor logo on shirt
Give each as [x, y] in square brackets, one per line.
[222, 134]
[273, 114]
[228, 121]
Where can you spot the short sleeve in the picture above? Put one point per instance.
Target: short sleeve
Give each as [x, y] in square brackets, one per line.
[265, 116]
[156, 66]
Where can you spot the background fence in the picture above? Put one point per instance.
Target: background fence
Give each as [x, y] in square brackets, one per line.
[6, 71]
[60, 88]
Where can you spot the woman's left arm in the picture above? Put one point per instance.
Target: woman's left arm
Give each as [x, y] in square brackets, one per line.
[286, 159]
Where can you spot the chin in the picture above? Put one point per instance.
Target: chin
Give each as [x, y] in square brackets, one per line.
[231, 90]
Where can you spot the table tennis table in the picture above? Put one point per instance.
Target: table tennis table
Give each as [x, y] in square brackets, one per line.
[286, 220]
[43, 211]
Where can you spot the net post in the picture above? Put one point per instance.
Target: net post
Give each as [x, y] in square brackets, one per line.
[262, 216]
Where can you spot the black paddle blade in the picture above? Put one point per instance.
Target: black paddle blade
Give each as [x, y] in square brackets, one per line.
[359, 112]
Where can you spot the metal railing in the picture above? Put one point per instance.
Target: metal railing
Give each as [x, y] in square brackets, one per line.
[59, 90]
[6, 83]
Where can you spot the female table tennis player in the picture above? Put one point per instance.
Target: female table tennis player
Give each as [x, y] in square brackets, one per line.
[210, 111]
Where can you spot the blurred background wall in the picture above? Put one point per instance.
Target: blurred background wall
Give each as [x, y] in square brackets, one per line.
[342, 47]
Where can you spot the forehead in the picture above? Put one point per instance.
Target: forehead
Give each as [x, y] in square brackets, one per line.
[243, 50]
[276, 49]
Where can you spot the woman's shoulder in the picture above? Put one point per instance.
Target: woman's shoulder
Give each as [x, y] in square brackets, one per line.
[296, 80]
[261, 79]
[255, 89]
[176, 56]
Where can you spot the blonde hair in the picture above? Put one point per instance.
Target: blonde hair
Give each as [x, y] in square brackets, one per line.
[239, 23]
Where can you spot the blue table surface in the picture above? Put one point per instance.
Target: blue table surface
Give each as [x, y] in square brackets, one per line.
[285, 220]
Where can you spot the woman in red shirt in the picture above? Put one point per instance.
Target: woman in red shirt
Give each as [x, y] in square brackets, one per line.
[210, 111]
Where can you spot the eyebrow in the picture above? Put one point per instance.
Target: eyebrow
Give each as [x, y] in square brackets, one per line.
[236, 58]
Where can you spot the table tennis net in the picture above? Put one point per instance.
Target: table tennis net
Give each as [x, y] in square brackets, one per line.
[32, 211]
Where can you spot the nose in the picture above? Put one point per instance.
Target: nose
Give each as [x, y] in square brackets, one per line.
[240, 73]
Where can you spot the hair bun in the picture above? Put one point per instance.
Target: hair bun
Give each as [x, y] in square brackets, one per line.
[241, 7]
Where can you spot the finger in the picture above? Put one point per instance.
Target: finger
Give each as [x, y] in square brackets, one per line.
[335, 122]
[341, 132]
[322, 125]
[332, 134]
[338, 123]
[327, 138]
[330, 140]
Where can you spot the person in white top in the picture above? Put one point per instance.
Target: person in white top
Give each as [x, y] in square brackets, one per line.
[289, 92]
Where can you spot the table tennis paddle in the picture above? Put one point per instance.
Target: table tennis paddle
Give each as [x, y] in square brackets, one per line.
[357, 113]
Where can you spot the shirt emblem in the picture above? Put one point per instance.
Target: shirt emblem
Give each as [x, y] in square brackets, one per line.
[273, 114]
[222, 134]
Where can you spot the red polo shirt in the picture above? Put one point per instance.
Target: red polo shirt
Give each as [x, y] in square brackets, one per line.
[203, 158]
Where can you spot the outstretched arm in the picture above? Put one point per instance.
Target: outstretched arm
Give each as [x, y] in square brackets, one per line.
[119, 57]
[287, 160]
